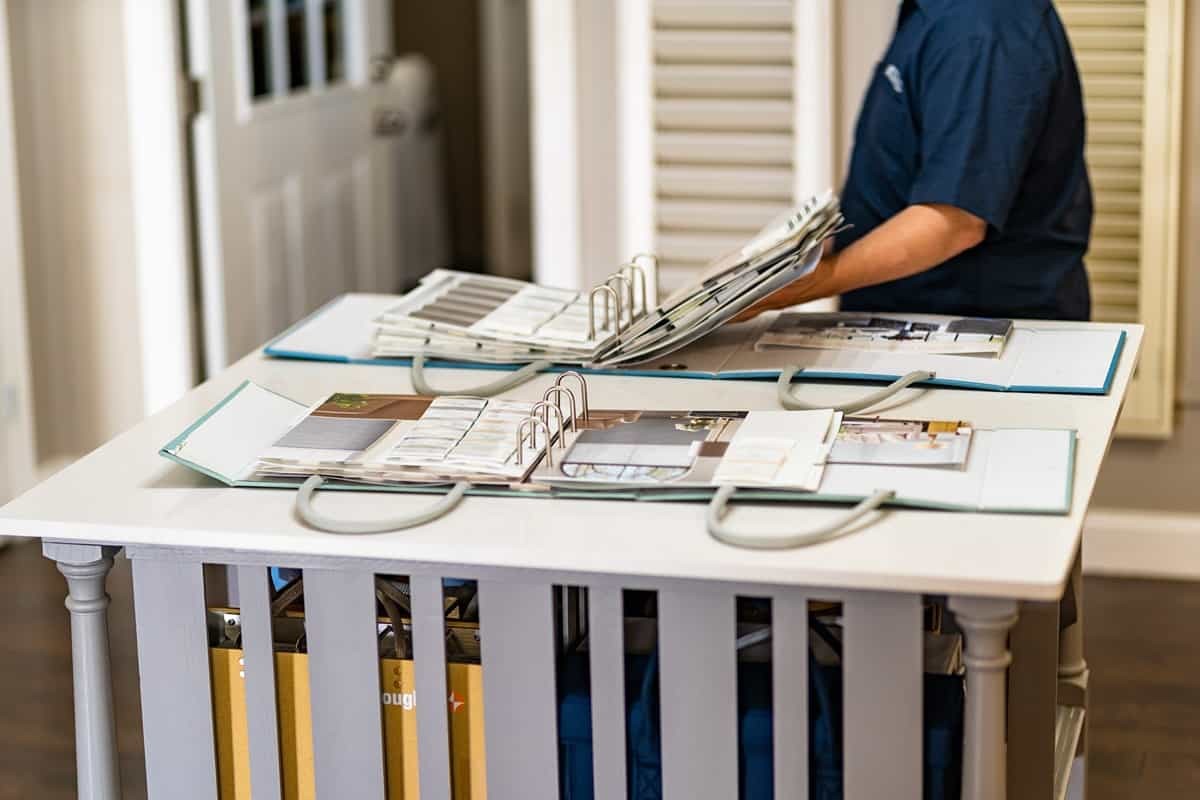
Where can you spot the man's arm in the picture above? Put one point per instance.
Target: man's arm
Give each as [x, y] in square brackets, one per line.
[917, 239]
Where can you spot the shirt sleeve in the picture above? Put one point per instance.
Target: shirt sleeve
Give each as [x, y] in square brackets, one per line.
[982, 109]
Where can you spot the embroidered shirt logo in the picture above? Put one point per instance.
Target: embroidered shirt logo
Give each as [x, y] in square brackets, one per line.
[892, 73]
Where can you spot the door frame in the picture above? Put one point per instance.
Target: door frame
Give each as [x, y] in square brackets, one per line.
[17, 454]
[158, 93]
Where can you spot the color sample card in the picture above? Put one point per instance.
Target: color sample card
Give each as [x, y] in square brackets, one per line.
[901, 442]
[885, 333]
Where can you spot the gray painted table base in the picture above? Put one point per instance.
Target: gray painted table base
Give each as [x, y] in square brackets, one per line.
[85, 568]
[882, 684]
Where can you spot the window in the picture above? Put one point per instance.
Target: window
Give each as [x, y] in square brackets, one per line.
[297, 41]
[260, 48]
[335, 41]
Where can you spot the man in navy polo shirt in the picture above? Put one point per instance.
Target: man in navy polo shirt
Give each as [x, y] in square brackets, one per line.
[967, 192]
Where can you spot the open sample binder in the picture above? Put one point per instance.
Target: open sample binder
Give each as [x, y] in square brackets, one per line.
[456, 319]
[560, 447]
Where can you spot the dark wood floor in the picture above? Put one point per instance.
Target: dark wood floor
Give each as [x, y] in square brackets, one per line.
[1143, 645]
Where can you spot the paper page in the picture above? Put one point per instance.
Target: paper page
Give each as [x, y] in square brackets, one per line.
[1010, 470]
[1029, 470]
[228, 441]
[1065, 359]
[778, 449]
[344, 329]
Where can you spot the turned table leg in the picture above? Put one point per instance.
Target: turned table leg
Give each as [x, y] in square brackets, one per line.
[985, 623]
[86, 567]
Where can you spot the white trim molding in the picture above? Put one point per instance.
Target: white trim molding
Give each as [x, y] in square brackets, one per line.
[555, 134]
[17, 453]
[158, 172]
[1142, 544]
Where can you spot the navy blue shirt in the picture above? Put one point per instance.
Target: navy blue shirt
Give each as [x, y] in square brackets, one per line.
[977, 104]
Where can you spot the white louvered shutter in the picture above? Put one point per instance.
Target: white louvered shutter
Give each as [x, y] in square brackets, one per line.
[1129, 54]
[723, 144]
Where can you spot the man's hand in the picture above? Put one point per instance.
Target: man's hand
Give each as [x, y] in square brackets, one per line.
[917, 239]
[812, 286]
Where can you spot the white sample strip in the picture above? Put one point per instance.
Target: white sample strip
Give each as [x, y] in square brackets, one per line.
[779, 449]
[229, 441]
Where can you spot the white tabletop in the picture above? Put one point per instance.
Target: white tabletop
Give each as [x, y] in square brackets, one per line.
[125, 493]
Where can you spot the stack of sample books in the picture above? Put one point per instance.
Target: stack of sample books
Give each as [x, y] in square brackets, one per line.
[461, 316]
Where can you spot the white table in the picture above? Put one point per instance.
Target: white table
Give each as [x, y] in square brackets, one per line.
[171, 521]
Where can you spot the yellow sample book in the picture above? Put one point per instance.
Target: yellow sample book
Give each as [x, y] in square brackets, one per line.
[398, 700]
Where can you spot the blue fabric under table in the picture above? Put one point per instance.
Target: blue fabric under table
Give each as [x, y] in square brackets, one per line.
[943, 732]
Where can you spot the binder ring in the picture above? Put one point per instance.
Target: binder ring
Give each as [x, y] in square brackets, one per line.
[628, 284]
[558, 393]
[532, 423]
[546, 407]
[608, 291]
[583, 398]
[653, 259]
[639, 277]
[719, 528]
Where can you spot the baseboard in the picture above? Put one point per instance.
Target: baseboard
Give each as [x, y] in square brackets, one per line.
[1142, 544]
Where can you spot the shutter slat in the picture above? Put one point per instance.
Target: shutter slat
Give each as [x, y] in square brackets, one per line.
[703, 147]
[716, 182]
[1119, 178]
[724, 115]
[1115, 247]
[1106, 63]
[726, 80]
[723, 47]
[1115, 270]
[1077, 16]
[723, 15]
[1104, 132]
[1108, 39]
[1112, 110]
[717, 215]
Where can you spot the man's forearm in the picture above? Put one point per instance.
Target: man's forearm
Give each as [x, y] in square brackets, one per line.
[918, 238]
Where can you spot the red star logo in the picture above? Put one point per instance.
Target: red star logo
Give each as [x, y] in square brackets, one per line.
[455, 703]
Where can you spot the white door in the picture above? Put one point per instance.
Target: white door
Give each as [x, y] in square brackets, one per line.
[16, 417]
[295, 191]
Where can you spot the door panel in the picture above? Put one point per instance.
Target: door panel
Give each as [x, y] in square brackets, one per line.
[296, 191]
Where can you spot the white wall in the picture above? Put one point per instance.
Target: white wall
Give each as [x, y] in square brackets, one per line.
[16, 406]
[76, 200]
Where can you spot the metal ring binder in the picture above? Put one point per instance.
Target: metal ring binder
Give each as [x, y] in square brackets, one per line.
[608, 291]
[558, 392]
[719, 529]
[315, 519]
[583, 398]
[631, 302]
[546, 407]
[639, 277]
[789, 401]
[532, 423]
[652, 260]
